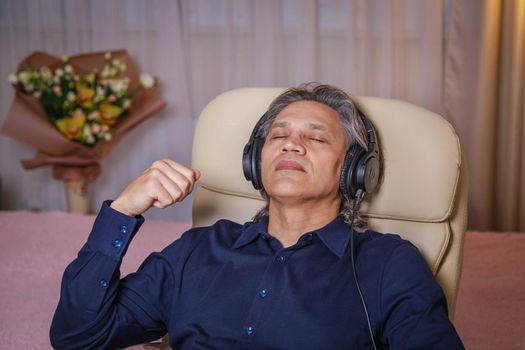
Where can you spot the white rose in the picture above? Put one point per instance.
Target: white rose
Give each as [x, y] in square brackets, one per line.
[87, 135]
[119, 86]
[94, 115]
[105, 72]
[23, 77]
[46, 73]
[68, 68]
[95, 128]
[12, 78]
[147, 81]
[29, 87]
[71, 96]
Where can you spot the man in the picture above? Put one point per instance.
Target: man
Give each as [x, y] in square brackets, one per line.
[283, 281]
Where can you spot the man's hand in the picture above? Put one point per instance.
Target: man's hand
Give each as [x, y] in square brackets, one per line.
[165, 182]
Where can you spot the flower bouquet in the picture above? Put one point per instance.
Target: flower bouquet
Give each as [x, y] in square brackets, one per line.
[75, 110]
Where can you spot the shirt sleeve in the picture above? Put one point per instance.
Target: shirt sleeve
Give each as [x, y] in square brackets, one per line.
[96, 309]
[413, 305]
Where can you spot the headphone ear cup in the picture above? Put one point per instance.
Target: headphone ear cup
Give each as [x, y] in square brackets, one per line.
[247, 161]
[347, 184]
[256, 163]
[367, 175]
[251, 155]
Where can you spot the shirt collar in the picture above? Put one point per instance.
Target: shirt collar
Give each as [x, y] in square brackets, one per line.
[251, 231]
[335, 235]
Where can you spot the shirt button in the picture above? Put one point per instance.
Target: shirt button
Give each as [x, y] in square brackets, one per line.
[103, 283]
[280, 258]
[117, 243]
[263, 293]
[123, 229]
[249, 330]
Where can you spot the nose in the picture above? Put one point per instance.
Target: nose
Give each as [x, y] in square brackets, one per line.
[292, 144]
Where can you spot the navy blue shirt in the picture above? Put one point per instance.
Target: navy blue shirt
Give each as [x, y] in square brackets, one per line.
[232, 286]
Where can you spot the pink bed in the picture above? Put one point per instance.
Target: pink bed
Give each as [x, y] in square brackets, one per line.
[35, 248]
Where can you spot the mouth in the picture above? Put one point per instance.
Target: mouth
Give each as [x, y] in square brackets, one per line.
[289, 164]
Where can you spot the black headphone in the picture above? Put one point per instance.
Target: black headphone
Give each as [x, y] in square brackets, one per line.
[359, 173]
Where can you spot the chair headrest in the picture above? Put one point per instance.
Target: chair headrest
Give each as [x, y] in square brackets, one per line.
[420, 149]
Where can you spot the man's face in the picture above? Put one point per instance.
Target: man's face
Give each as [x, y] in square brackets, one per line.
[303, 153]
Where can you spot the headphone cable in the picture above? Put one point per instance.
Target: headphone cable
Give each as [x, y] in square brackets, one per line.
[357, 202]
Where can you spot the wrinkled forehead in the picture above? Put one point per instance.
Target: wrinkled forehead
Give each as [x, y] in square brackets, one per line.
[307, 114]
[310, 125]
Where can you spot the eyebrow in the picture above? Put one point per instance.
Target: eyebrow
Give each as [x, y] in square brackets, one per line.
[311, 126]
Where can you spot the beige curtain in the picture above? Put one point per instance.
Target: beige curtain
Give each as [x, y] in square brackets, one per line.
[484, 98]
[201, 48]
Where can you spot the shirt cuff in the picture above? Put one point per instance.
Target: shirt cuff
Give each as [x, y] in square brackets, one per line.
[113, 231]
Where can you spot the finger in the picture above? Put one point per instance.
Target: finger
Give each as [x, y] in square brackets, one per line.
[196, 174]
[192, 174]
[156, 187]
[177, 189]
[184, 180]
[187, 172]
[196, 177]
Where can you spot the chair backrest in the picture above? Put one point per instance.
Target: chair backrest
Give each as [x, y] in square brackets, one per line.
[423, 196]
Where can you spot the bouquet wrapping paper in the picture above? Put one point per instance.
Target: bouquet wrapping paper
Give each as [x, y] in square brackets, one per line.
[28, 122]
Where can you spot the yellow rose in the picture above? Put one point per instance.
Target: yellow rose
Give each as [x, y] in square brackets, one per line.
[109, 113]
[71, 127]
[85, 95]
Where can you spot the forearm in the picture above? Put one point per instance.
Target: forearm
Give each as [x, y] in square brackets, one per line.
[86, 314]
[414, 305]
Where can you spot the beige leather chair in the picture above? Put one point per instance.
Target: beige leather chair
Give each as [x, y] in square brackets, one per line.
[423, 196]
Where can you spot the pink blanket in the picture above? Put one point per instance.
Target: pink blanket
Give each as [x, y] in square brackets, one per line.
[36, 247]
[490, 311]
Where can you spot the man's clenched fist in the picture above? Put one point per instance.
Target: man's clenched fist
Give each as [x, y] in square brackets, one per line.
[165, 182]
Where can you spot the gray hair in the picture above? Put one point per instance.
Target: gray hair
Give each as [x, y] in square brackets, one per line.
[351, 123]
